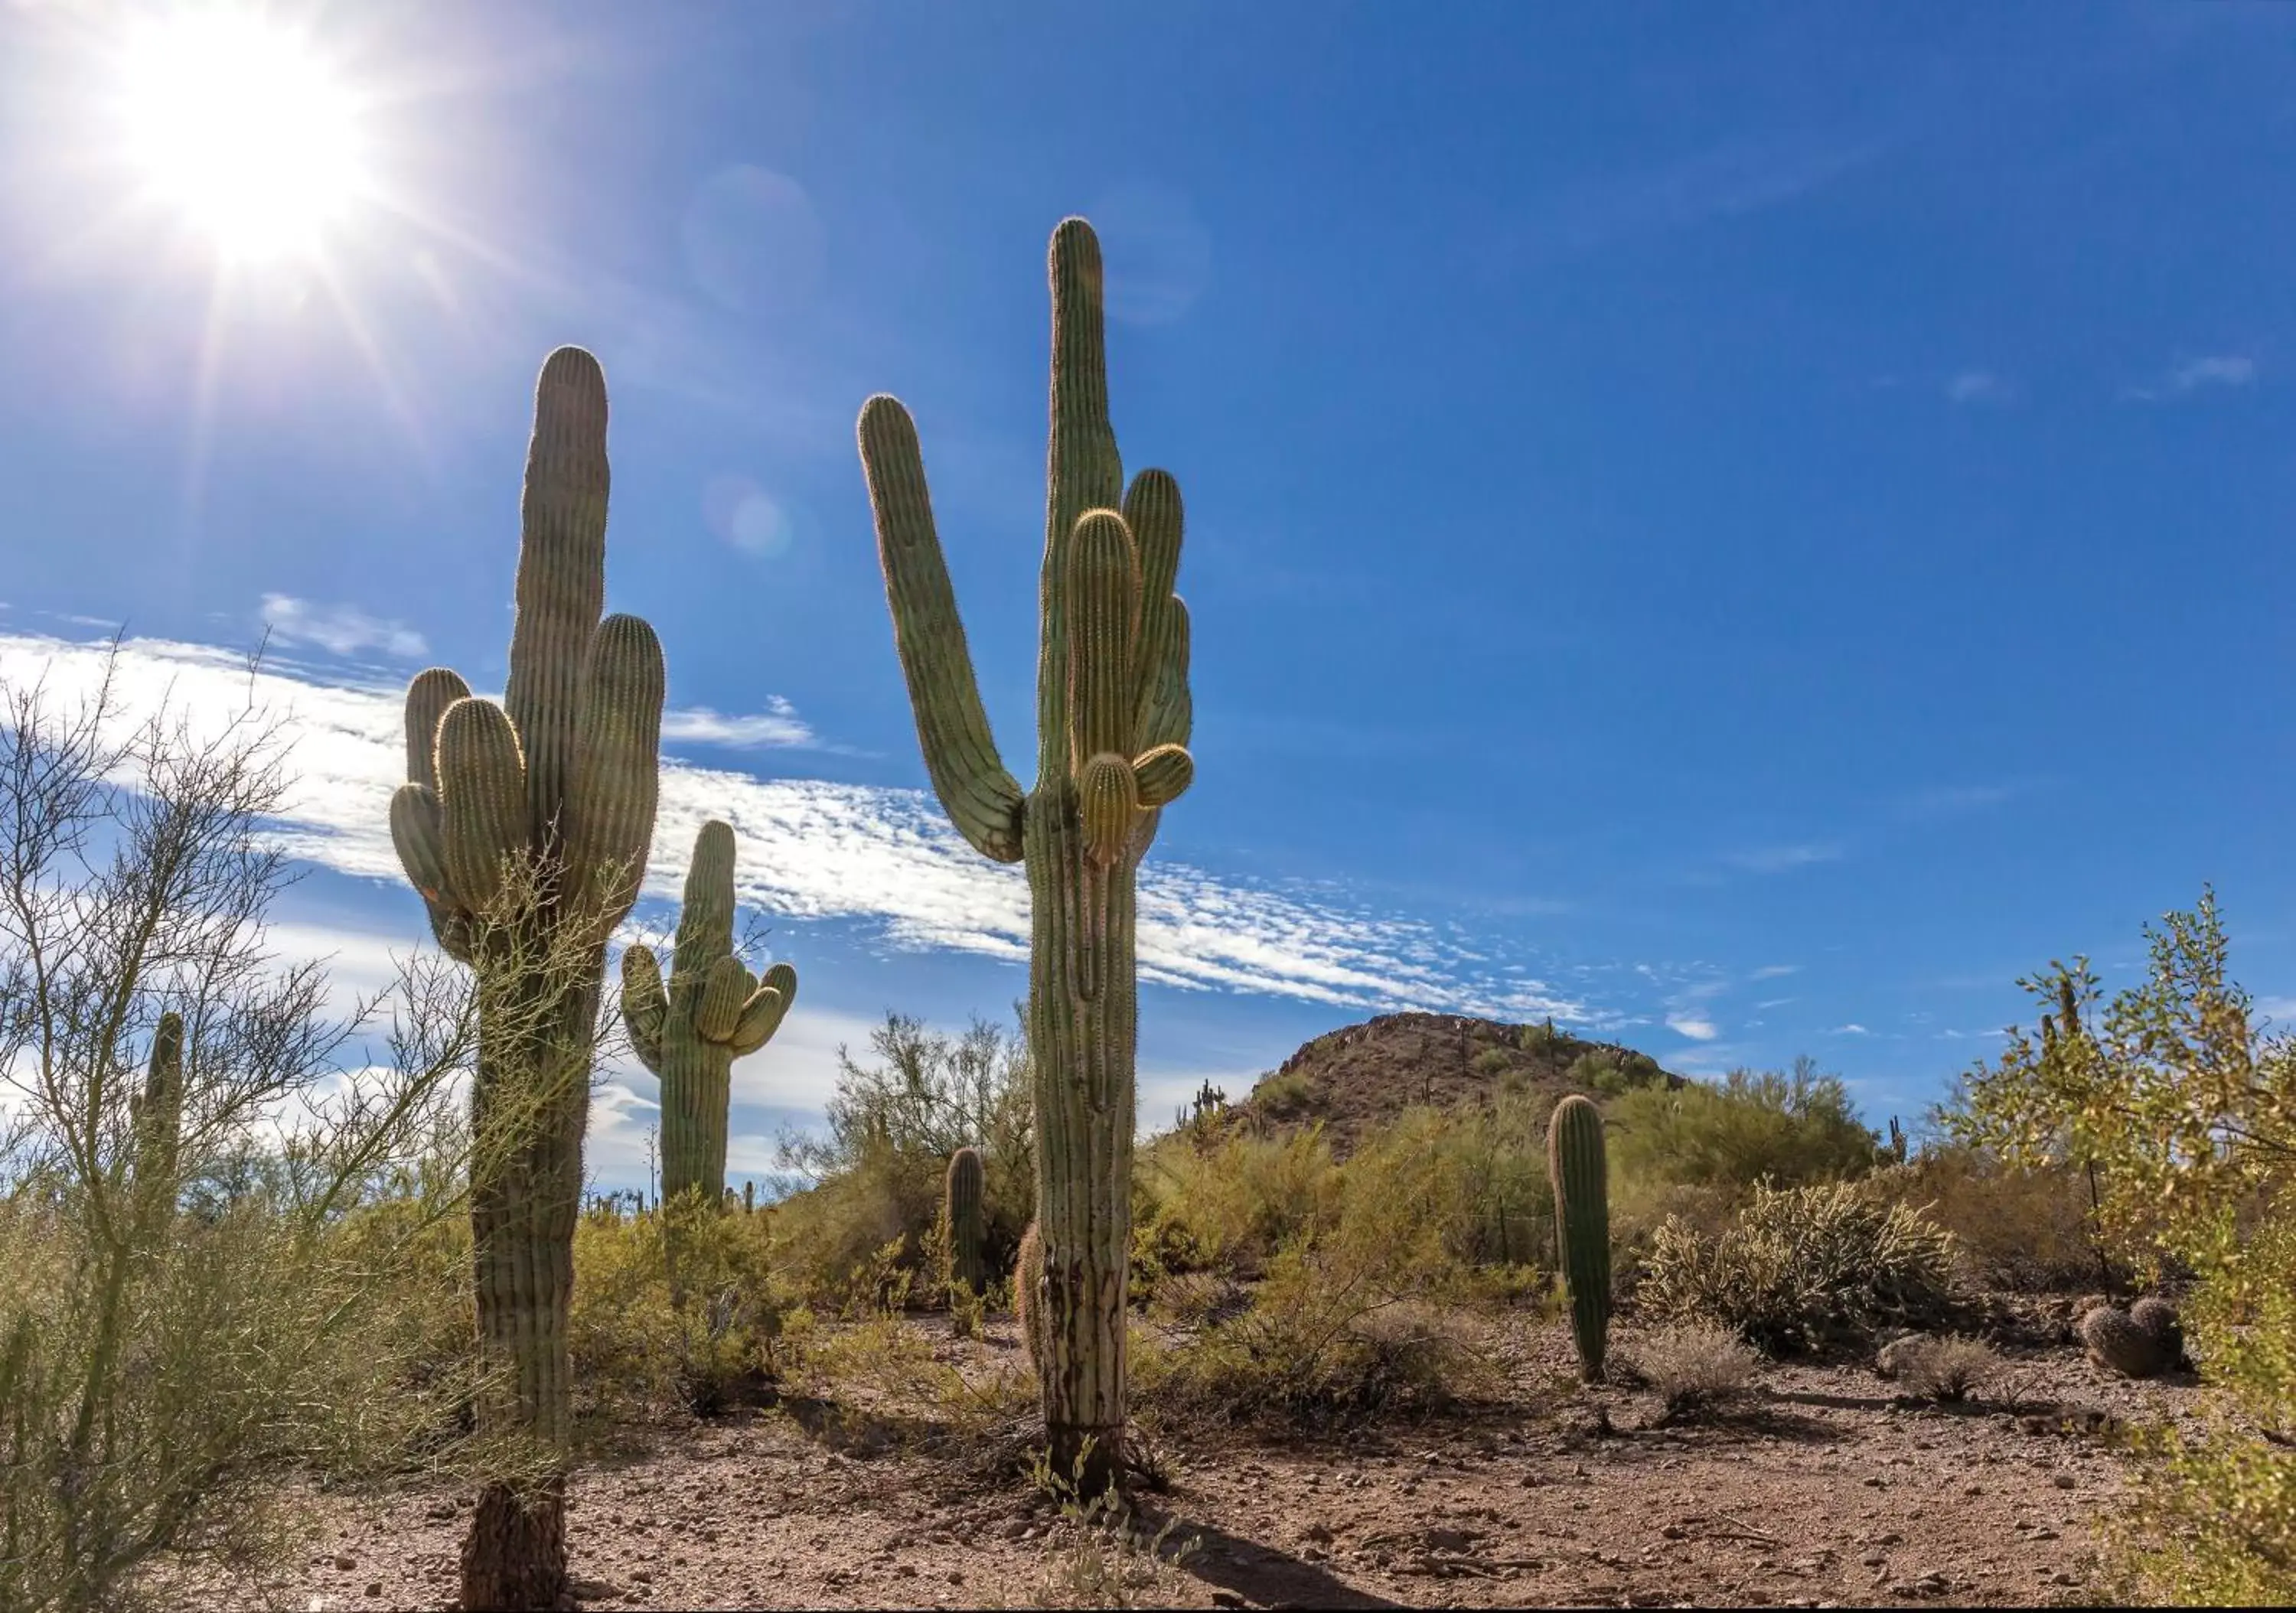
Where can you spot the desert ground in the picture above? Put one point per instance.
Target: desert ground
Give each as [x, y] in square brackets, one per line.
[1825, 1488]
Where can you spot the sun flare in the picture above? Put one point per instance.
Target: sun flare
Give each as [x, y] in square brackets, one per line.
[235, 123]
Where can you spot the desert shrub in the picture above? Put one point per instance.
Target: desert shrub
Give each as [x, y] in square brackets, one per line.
[1096, 1554]
[1694, 1368]
[877, 1174]
[1441, 1191]
[1195, 1299]
[675, 1308]
[1610, 1073]
[1231, 1202]
[1490, 1062]
[1282, 1096]
[2022, 1229]
[182, 1317]
[1786, 1129]
[1951, 1369]
[1318, 1345]
[1802, 1268]
[2185, 1108]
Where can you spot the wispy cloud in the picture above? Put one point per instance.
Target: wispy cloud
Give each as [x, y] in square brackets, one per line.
[2191, 375]
[1852, 1029]
[338, 629]
[1697, 1027]
[1952, 800]
[1977, 387]
[1771, 971]
[777, 725]
[1737, 178]
[814, 850]
[1783, 859]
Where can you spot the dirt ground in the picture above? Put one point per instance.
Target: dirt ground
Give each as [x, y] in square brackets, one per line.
[1828, 1491]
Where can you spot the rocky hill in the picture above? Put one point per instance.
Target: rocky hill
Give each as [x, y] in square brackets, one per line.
[1361, 1077]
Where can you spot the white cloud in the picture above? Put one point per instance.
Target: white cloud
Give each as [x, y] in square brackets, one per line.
[1852, 1029]
[1977, 387]
[2232, 370]
[810, 849]
[2224, 369]
[777, 725]
[1782, 859]
[1769, 1003]
[1771, 971]
[1697, 1029]
[340, 629]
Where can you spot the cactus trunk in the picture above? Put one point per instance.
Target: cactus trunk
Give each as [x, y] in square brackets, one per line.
[1113, 716]
[1582, 1225]
[525, 828]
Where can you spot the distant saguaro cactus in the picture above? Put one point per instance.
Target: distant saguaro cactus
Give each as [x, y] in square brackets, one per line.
[525, 827]
[1112, 719]
[1576, 1162]
[159, 1115]
[961, 1213]
[711, 1012]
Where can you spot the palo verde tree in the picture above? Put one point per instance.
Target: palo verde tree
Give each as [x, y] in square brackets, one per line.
[525, 826]
[1112, 721]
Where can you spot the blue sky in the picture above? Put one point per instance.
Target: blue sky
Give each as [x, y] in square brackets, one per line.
[1746, 527]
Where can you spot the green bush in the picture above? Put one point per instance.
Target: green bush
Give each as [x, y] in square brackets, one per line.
[2021, 1229]
[1282, 1097]
[1783, 1128]
[876, 1176]
[1803, 1268]
[674, 1308]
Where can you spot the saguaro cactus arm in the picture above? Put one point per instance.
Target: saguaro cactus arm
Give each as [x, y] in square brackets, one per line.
[978, 792]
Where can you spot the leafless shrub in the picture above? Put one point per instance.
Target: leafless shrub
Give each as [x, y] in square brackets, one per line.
[1694, 1369]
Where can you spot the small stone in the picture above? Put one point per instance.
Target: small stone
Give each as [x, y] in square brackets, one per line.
[1873, 1559]
[2042, 1535]
[374, 1587]
[2064, 1576]
[2064, 1481]
[1873, 1481]
[1674, 1531]
[346, 1561]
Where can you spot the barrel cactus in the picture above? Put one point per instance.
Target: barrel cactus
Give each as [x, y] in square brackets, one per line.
[711, 1011]
[2119, 1343]
[1112, 720]
[2157, 1320]
[525, 828]
[962, 1215]
[1576, 1163]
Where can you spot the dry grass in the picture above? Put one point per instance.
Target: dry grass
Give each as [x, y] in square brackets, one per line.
[1694, 1369]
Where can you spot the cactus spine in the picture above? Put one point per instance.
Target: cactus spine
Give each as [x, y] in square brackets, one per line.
[961, 1213]
[1576, 1164]
[525, 828]
[711, 1012]
[1112, 721]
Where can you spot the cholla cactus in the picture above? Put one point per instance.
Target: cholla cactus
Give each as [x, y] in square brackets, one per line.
[1112, 721]
[1576, 1162]
[711, 1012]
[525, 828]
[961, 1213]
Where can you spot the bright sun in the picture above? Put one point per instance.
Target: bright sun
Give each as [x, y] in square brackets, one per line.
[235, 123]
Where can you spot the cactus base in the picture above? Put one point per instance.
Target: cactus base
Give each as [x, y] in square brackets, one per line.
[515, 1556]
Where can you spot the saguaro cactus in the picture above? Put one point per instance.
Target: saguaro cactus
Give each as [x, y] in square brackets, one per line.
[1582, 1225]
[525, 827]
[158, 1113]
[1112, 719]
[961, 1212]
[712, 1011]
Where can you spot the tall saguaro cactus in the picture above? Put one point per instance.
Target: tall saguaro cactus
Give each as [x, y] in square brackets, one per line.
[1575, 1162]
[158, 1114]
[711, 1012]
[525, 827]
[1112, 719]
